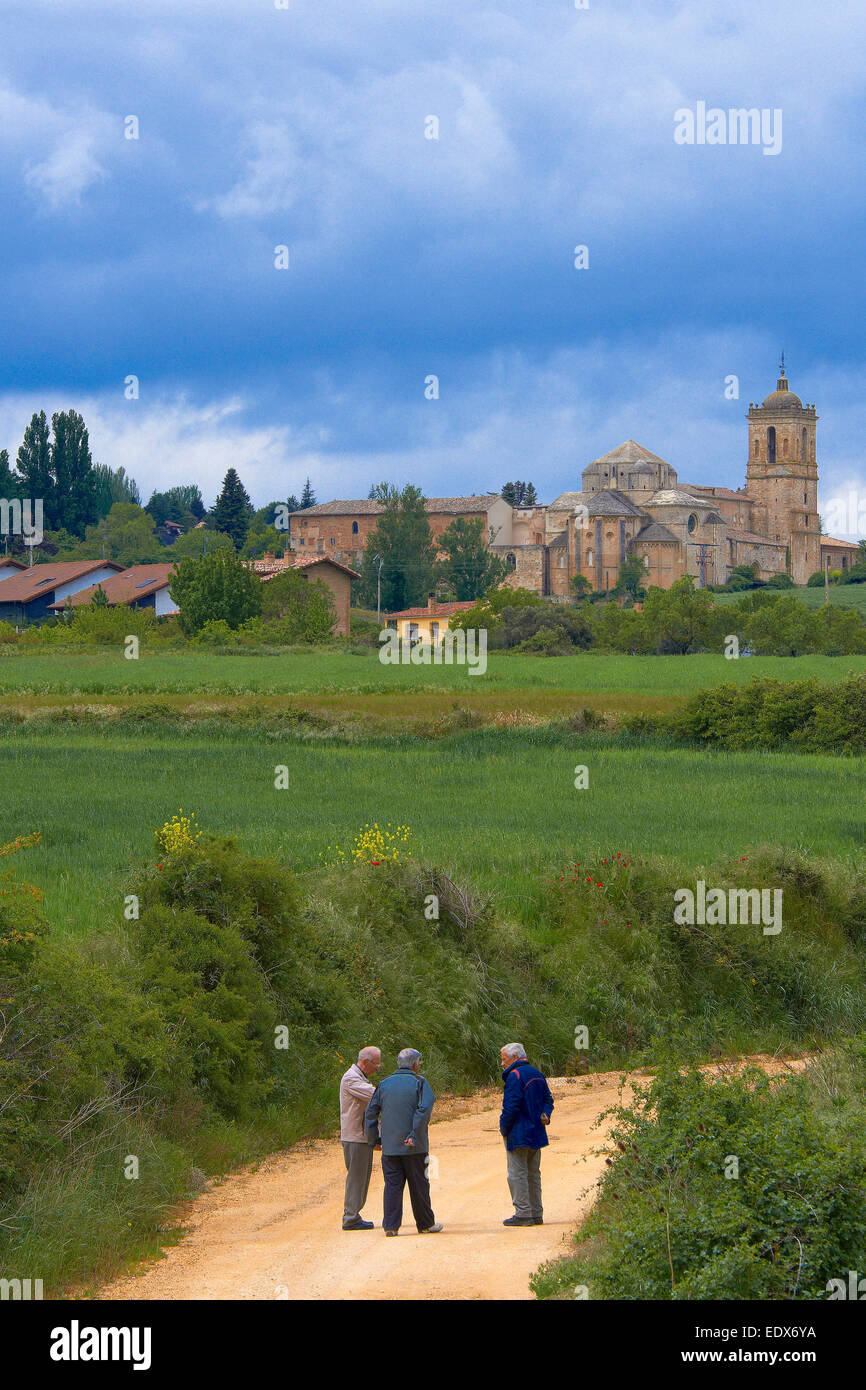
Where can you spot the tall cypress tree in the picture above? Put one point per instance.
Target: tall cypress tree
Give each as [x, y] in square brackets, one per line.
[232, 510]
[33, 466]
[76, 495]
[308, 497]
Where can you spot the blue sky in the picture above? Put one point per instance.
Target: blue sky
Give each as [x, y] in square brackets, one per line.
[409, 257]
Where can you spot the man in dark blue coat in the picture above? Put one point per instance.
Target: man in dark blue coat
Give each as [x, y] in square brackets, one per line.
[527, 1106]
[397, 1117]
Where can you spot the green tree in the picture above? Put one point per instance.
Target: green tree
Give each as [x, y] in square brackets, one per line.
[76, 489]
[308, 497]
[33, 467]
[678, 619]
[125, 535]
[113, 485]
[466, 565]
[176, 504]
[519, 494]
[232, 510]
[200, 541]
[402, 537]
[303, 608]
[10, 485]
[100, 598]
[630, 579]
[215, 587]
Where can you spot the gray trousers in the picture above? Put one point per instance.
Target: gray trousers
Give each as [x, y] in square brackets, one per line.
[524, 1181]
[359, 1166]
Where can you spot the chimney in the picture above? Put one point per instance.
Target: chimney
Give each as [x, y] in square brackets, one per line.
[431, 603]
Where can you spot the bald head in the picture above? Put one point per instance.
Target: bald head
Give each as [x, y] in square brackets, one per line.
[369, 1060]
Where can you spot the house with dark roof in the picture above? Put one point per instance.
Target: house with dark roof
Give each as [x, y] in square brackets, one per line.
[31, 594]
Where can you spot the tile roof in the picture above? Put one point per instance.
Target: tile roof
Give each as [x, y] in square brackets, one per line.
[754, 538]
[266, 569]
[39, 580]
[628, 452]
[611, 502]
[831, 540]
[138, 581]
[453, 506]
[437, 610]
[656, 532]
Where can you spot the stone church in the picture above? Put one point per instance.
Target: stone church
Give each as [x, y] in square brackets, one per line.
[631, 502]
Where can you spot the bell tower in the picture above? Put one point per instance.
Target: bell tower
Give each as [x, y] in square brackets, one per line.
[782, 475]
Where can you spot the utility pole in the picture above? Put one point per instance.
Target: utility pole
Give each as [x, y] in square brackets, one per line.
[827, 581]
[379, 589]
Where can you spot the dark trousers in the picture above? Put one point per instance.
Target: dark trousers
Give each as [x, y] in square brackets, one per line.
[397, 1170]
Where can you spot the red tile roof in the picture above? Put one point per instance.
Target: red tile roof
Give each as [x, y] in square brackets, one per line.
[266, 569]
[137, 582]
[38, 580]
[437, 610]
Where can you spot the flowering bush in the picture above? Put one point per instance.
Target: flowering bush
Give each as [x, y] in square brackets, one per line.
[373, 845]
[178, 834]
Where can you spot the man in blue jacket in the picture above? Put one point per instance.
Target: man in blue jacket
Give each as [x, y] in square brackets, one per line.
[397, 1115]
[527, 1106]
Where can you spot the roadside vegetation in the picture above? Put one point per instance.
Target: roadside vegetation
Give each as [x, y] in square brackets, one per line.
[213, 1025]
[740, 1188]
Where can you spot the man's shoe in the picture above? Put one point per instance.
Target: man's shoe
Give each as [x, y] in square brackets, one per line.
[391, 1233]
[430, 1230]
[518, 1221]
[538, 1220]
[358, 1225]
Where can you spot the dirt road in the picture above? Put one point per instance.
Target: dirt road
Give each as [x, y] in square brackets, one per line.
[274, 1233]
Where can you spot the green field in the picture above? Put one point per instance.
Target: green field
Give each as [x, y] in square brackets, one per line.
[497, 807]
[317, 672]
[844, 595]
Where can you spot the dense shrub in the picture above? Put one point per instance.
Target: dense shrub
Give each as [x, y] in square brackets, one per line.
[675, 1222]
[812, 715]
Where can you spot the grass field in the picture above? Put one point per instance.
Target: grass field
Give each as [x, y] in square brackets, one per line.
[497, 807]
[317, 672]
[845, 595]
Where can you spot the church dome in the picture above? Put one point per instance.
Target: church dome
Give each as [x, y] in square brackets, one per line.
[783, 398]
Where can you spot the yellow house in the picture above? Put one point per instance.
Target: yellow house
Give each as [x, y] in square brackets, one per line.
[430, 622]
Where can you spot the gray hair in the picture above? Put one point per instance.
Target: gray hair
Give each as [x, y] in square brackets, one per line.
[514, 1050]
[369, 1054]
[408, 1057]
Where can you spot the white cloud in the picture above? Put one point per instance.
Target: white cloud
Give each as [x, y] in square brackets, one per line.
[57, 149]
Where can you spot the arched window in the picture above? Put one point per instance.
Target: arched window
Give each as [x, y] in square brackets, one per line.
[511, 561]
[692, 523]
[771, 444]
[646, 562]
[354, 528]
[589, 558]
[804, 448]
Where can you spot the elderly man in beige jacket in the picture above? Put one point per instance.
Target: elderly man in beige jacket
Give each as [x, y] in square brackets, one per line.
[355, 1092]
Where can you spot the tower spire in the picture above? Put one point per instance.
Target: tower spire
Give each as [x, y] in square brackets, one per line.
[782, 383]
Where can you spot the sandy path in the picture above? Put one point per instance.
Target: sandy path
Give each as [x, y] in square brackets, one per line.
[274, 1233]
